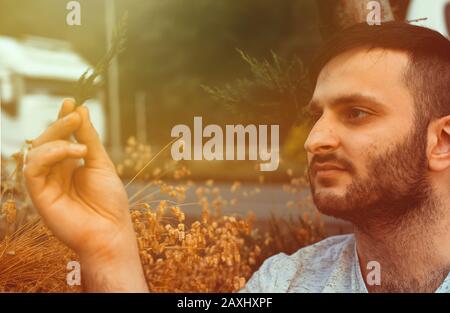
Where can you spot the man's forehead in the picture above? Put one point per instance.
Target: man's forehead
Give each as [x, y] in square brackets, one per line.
[364, 59]
[377, 73]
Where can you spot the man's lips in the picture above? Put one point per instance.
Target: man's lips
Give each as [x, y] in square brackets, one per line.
[327, 169]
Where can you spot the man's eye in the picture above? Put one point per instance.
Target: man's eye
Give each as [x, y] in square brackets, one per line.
[356, 114]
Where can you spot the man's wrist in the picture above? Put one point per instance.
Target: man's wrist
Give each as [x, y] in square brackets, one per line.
[115, 268]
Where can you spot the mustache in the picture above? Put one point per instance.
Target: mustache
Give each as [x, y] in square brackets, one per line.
[329, 158]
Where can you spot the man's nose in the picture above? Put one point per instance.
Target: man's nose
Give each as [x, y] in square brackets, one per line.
[322, 139]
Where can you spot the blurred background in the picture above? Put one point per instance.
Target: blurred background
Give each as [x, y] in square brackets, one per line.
[182, 59]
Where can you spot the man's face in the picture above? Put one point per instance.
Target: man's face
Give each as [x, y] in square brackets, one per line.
[366, 153]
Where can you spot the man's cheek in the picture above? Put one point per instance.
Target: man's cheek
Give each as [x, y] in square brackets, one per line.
[361, 161]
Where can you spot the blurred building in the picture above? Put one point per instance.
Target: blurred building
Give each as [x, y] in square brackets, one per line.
[35, 75]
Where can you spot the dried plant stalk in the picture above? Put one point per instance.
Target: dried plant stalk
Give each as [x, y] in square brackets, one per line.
[86, 86]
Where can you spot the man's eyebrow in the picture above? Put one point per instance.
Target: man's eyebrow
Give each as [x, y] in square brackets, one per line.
[350, 99]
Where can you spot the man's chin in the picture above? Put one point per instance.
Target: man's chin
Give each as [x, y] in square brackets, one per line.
[330, 203]
[323, 193]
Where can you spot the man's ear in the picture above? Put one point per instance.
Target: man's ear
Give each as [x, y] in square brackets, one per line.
[438, 151]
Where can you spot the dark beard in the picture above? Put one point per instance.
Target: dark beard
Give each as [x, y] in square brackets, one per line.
[397, 187]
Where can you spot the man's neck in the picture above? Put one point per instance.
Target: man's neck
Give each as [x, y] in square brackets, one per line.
[414, 254]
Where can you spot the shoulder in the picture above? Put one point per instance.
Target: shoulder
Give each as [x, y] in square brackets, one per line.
[277, 272]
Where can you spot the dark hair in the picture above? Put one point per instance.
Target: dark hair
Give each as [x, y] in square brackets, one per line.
[428, 72]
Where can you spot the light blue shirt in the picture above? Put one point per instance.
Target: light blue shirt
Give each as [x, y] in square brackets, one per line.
[330, 265]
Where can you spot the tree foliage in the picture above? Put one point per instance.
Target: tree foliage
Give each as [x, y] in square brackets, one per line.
[277, 90]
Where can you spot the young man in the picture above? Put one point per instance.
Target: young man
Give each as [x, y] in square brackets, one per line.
[379, 157]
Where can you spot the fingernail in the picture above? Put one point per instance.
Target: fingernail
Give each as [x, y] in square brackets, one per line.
[77, 147]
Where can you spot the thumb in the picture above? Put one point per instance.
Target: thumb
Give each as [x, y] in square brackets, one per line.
[96, 156]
